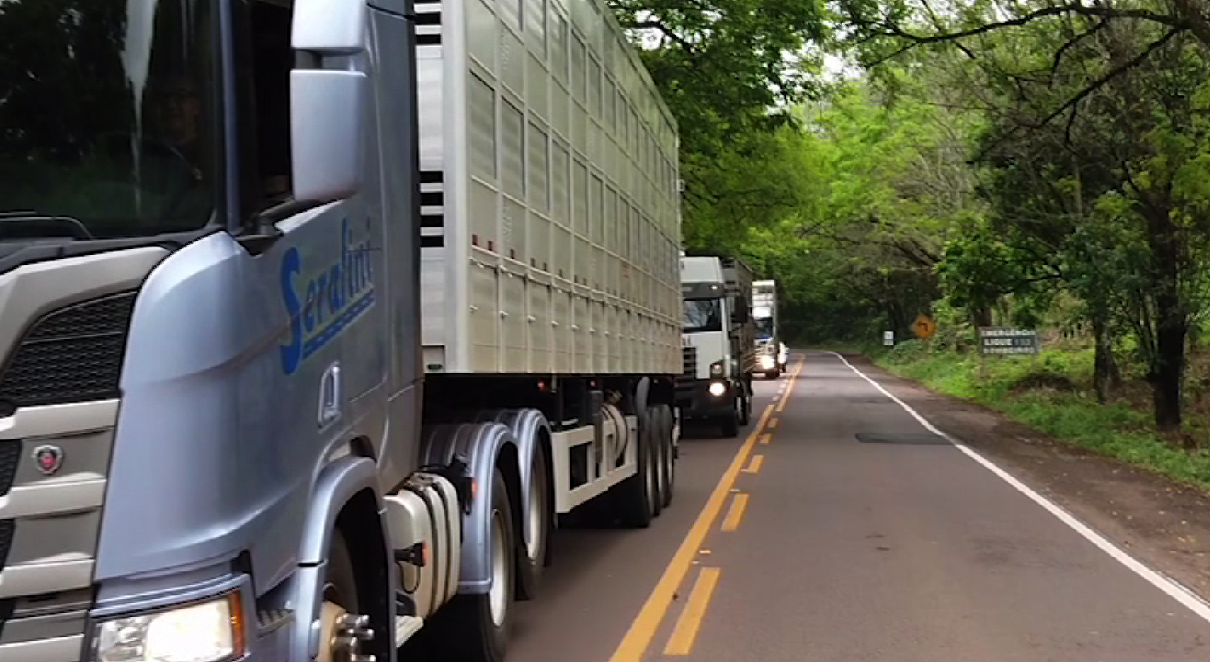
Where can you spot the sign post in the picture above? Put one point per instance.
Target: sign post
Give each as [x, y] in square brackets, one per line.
[1004, 341]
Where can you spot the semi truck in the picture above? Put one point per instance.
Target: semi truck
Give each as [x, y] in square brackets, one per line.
[316, 319]
[738, 277]
[769, 346]
[716, 380]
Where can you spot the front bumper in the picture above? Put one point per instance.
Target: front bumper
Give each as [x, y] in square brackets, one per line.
[695, 400]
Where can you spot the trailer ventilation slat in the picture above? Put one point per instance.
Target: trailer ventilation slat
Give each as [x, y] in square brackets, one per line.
[427, 17]
[73, 354]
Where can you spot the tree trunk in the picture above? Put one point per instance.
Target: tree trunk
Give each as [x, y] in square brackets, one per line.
[1172, 325]
[1168, 375]
[1105, 374]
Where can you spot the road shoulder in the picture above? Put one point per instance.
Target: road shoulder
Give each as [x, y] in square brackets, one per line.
[1164, 524]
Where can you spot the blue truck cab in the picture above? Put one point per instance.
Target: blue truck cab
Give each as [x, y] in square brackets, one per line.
[219, 437]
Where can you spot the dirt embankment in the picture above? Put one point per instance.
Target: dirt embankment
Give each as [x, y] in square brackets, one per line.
[1164, 524]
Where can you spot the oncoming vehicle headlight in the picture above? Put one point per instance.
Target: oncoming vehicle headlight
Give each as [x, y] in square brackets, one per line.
[766, 361]
[717, 388]
[210, 631]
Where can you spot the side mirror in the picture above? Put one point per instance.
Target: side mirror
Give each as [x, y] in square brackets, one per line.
[327, 109]
[326, 106]
[329, 27]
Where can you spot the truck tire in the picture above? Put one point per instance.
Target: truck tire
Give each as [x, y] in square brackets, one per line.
[635, 499]
[340, 580]
[655, 461]
[745, 408]
[668, 485]
[532, 548]
[474, 628]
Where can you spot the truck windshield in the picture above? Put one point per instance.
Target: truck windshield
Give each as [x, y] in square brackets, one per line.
[702, 315]
[106, 113]
[764, 328]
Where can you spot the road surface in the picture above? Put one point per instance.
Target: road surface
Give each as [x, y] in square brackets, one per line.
[843, 530]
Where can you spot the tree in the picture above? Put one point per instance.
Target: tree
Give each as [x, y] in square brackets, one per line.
[1093, 131]
[721, 66]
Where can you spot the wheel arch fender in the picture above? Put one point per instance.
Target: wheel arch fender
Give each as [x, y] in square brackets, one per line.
[347, 482]
[531, 431]
[482, 446]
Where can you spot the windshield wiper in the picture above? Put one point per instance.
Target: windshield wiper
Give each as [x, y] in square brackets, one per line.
[32, 225]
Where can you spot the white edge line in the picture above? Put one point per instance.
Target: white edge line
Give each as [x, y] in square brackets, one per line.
[1176, 591]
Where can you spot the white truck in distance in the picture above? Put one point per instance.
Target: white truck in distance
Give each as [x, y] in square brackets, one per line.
[771, 350]
[318, 317]
[715, 384]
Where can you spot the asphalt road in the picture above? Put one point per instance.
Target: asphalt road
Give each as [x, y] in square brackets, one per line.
[856, 536]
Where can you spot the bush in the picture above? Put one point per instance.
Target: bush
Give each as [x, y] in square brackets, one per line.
[908, 351]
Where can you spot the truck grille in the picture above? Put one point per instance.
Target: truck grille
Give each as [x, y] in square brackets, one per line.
[683, 384]
[73, 354]
[6, 539]
[689, 366]
[10, 453]
[6, 612]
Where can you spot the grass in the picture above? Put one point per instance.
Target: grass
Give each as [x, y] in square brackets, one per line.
[1052, 393]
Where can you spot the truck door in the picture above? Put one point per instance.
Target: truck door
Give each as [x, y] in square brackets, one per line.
[325, 272]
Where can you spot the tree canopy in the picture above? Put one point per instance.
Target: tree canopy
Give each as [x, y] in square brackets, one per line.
[993, 162]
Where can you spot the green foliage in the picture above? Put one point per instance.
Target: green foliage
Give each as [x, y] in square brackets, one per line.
[954, 329]
[721, 67]
[1033, 164]
[908, 350]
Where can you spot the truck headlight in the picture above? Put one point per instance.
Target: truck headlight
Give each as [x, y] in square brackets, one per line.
[717, 389]
[716, 369]
[210, 631]
[766, 361]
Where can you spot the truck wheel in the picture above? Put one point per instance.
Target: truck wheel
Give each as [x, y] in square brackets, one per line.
[669, 455]
[532, 548]
[635, 497]
[655, 461]
[474, 628]
[745, 408]
[343, 629]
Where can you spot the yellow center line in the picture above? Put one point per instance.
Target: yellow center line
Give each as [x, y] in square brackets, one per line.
[735, 513]
[754, 465]
[764, 438]
[785, 397]
[681, 640]
[789, 385]
[642, 630]
[772, 424]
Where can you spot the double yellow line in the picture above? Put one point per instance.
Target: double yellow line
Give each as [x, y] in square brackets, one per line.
[644, 627]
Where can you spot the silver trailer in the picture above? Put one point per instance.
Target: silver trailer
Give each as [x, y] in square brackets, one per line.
[315, 316]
